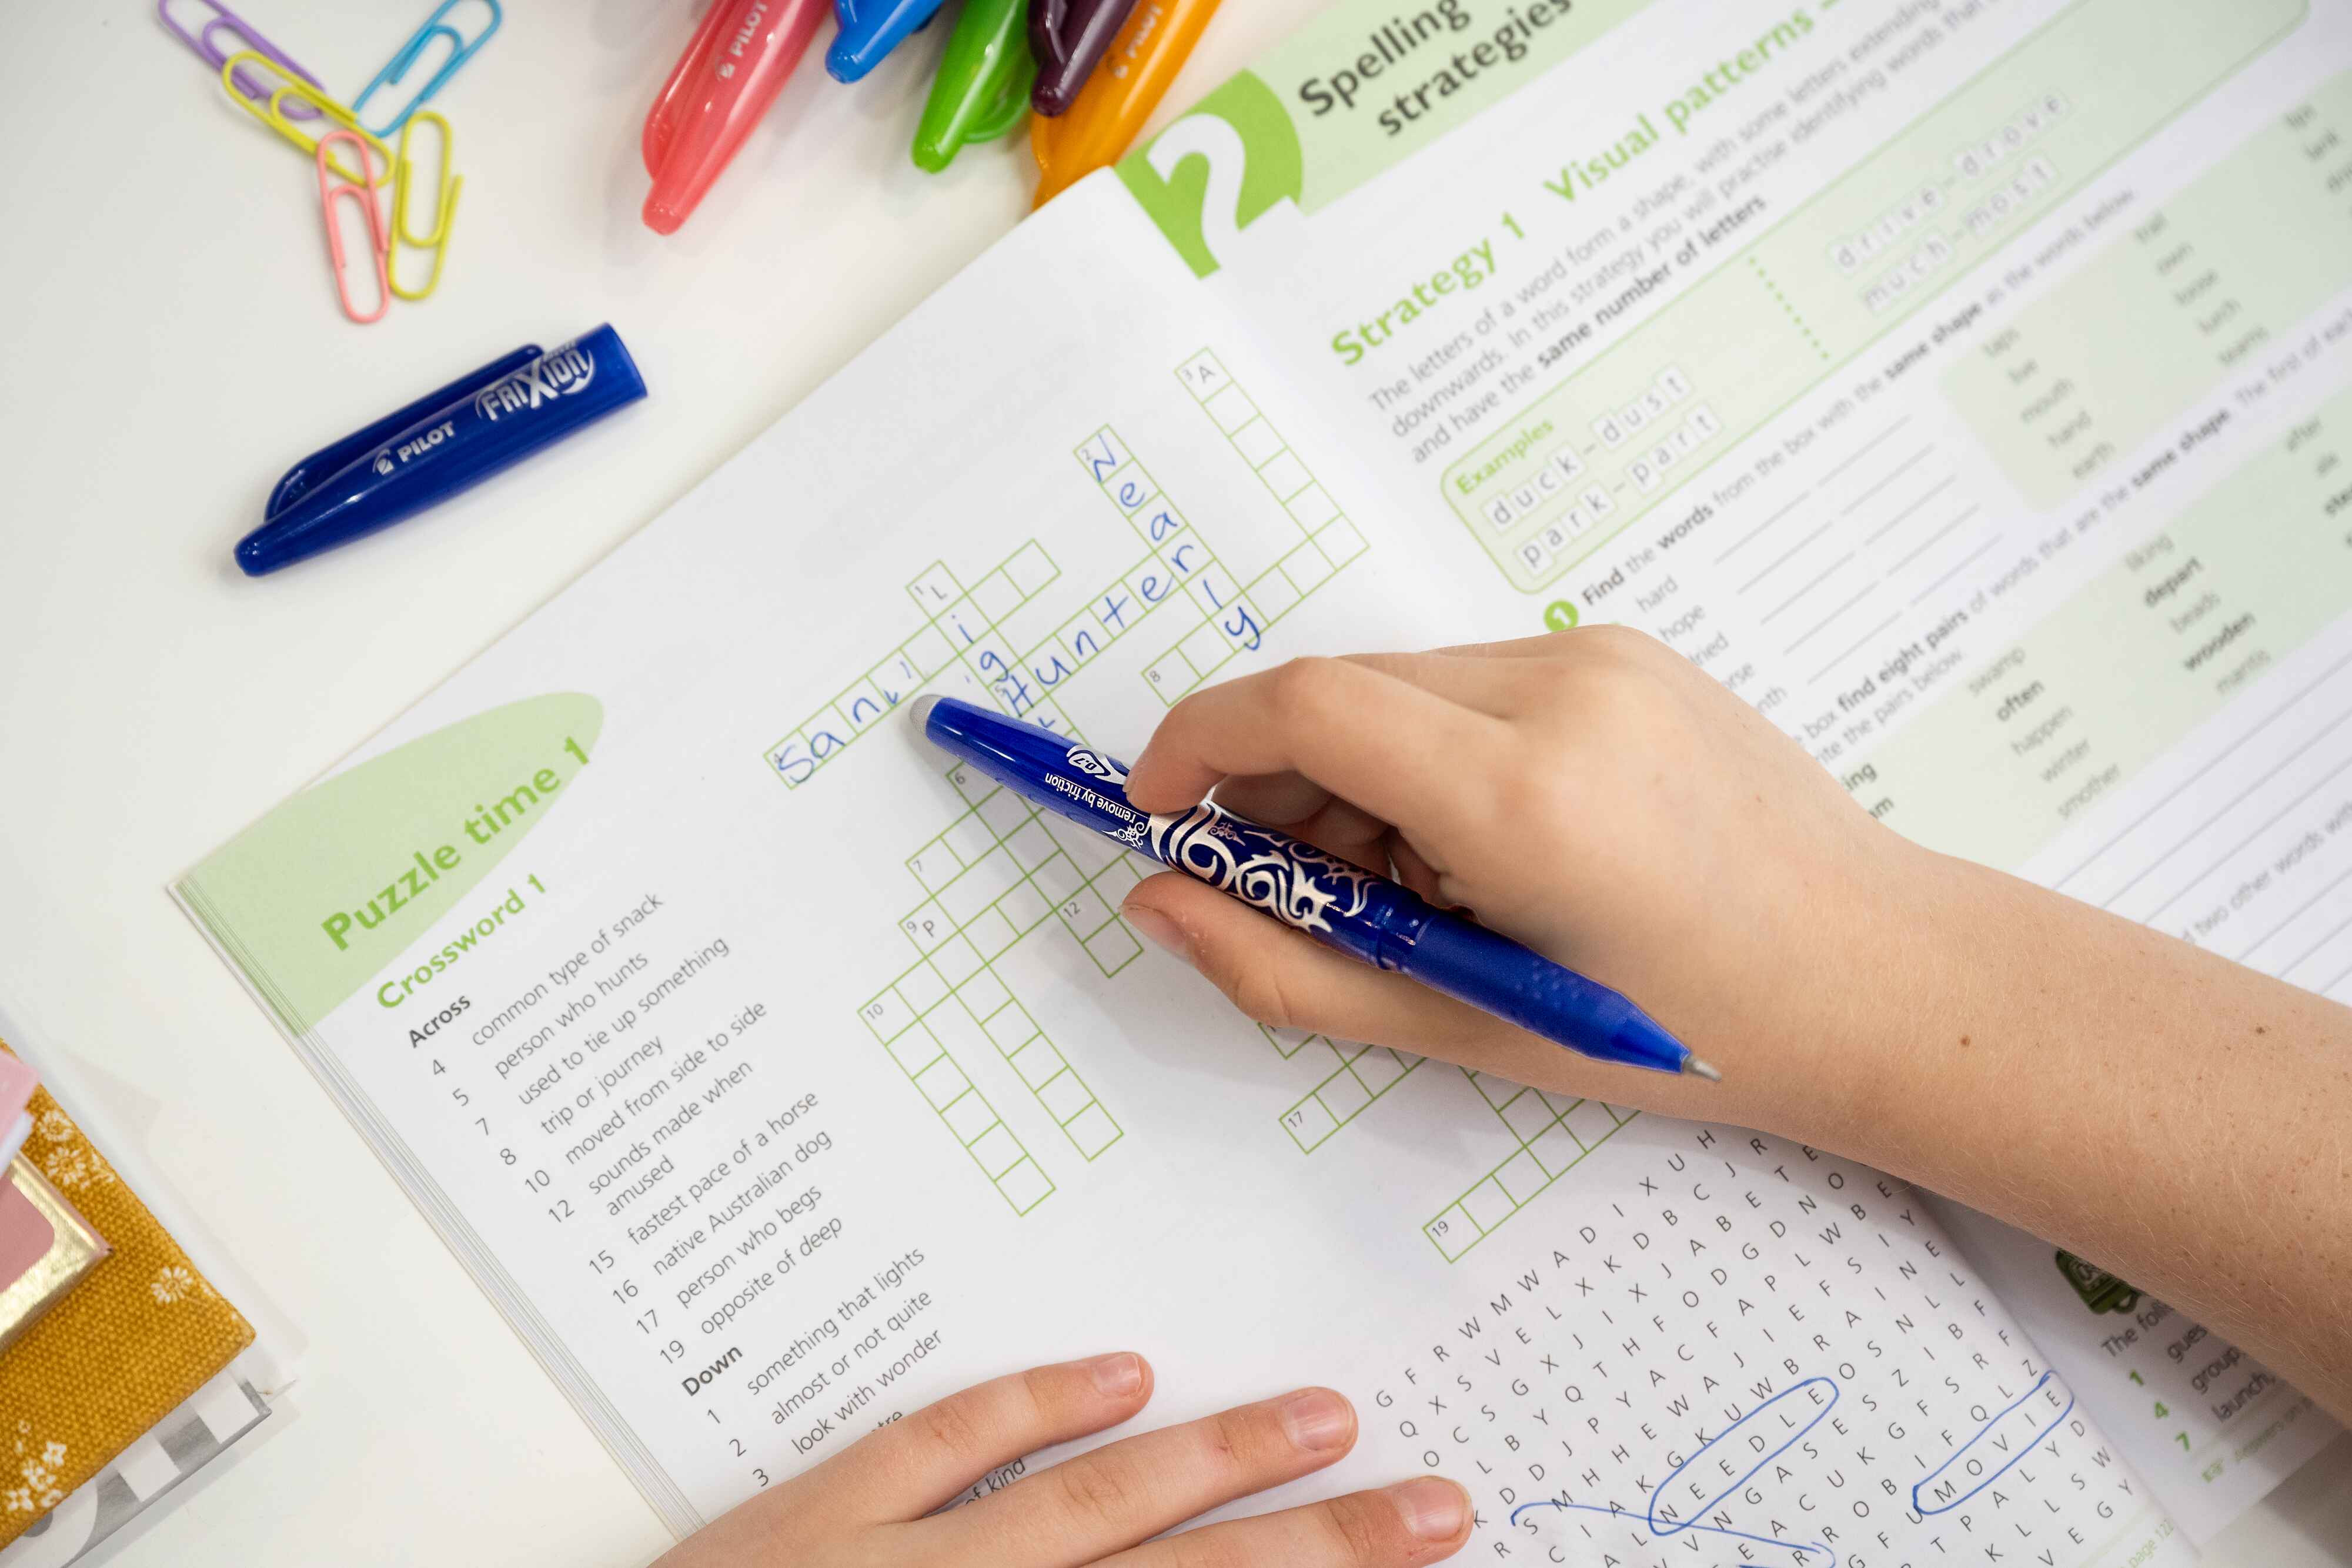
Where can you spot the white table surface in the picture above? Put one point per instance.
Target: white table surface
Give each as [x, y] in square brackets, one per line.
[171, 343]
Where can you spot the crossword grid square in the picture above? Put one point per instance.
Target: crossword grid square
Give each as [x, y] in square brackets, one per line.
[1312, 508]
[934, 864]
[1036, 1062]
[978, 888]
[1488, 1205]
[1308, 1122]
[1010, 1026]
[1453, 1233]
[928, 926]
[982, 995]
[1025, 1186]
[968, 839]
[968, 1116]
[997, 595]
[1257, 441]
[1203, 375]
[887, 1016]
[1285, 477]
[1273, 593]
[956, 1028]
[1343, 1094]
[998, 1150]
[1379, 1069]
[1003, 811]
[1340, 541]
[1231, 409]
[1058, 879]
[1025, 907]
[991, 933]
[914, 1050]
[1556, 1149]
[1527, 1116]
[1030, 844]
[1522, 1177]
[1030, 570]
[1092, 1130]
[1113, 948]
[1496, 1091]
[1308, 567]
[1205, 649]
[1085, 913]
[1590, 1123]
[1287, 1042]
[956, 960]
[941, 1082]
[1063, 1096]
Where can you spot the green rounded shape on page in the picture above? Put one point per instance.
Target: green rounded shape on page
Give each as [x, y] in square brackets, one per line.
[1560, 615]
[351, 884]
[1218, 170]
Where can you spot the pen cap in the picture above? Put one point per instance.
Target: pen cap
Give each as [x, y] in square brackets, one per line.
[332, 459]
[452, 449]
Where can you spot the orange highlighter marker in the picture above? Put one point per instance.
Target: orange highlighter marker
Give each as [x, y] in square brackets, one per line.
[1134, 76]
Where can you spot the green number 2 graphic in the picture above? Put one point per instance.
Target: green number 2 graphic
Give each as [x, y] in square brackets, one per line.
[1217, 171]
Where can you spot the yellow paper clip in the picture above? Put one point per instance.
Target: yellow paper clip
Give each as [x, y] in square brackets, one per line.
[269, 110]
[444, 206]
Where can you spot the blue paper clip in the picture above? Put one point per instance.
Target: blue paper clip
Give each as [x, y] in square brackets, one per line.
[460, 51]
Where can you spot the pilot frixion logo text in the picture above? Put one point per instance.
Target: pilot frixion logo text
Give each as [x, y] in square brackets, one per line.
[563, 371]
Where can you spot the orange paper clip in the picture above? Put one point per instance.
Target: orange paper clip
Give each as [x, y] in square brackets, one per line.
[1135, 75]
[333, 182]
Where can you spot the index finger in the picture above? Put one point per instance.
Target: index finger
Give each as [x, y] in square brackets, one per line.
[903, 1470]
[1405, 754]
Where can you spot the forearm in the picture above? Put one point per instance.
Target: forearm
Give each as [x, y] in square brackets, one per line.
[2179, 1120]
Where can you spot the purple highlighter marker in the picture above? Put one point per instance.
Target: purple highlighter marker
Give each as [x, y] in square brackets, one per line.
[1343, 906]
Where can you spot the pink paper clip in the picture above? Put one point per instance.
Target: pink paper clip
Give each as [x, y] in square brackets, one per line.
[332, 185]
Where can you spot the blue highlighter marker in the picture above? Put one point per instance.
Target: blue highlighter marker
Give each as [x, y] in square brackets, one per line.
[446, 441]
[1339, 904]
[869, 30]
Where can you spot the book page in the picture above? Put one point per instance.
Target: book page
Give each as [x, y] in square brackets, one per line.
[1964, 383]
[776, 1077]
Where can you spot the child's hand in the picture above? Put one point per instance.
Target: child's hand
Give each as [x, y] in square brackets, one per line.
[1591, 794]
[868, 1506]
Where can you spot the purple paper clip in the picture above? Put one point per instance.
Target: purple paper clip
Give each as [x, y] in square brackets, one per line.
[213, 55]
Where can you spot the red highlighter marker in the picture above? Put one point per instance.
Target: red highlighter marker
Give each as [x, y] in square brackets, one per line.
[739, 60]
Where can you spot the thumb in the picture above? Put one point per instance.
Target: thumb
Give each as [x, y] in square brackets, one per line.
[1286, 979]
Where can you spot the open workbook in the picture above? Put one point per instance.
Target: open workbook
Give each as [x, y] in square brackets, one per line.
[1963, 383]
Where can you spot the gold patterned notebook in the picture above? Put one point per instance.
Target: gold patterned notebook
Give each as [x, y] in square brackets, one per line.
[128, 1344]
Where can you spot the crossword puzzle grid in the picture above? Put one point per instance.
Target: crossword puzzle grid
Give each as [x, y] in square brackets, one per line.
[1554, 1132]
[971, 614]
[1001, 868]
[1359, 1075]
[999, 872]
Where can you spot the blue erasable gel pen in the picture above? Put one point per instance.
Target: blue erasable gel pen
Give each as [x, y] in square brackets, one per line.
[1341, 906]
[492, 420]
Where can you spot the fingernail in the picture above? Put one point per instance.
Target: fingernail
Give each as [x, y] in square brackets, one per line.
[1163, 932]
[1116, 1375]
[1433, 1509]
[1317, 1418]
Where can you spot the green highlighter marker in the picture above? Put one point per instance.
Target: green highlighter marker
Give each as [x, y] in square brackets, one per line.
[982, 90]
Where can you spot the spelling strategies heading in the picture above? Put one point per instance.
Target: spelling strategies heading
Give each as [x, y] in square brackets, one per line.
[1395, 44]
